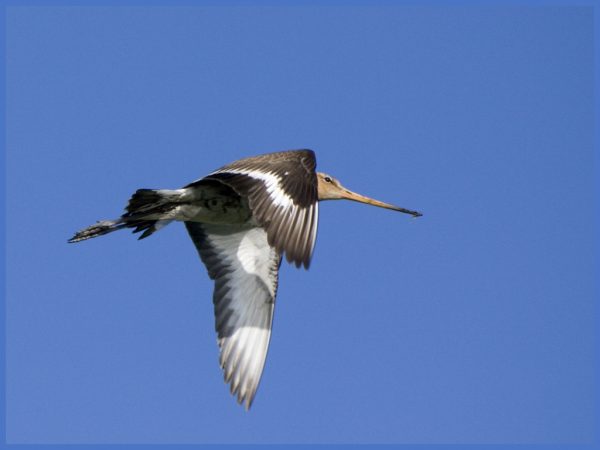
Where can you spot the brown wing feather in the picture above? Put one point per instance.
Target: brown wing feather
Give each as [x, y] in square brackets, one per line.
[282, 193]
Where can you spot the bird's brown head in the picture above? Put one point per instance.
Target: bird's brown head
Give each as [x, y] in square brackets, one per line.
[331, 189]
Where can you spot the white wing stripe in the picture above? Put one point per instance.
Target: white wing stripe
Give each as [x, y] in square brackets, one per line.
[272, 184]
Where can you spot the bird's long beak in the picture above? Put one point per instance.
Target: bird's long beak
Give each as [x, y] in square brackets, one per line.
[349, 195]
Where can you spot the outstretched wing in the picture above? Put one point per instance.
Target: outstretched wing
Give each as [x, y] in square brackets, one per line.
[245, 269]
[281, 189]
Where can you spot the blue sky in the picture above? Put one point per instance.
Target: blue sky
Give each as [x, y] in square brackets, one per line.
[472, 324]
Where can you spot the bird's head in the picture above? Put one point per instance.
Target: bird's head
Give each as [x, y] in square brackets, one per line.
[331, 189]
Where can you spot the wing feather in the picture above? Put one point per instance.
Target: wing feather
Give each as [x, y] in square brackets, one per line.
[245, 269]
[281, 189]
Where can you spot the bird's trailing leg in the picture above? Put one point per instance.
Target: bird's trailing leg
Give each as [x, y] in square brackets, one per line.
[148, 210]
[98, 229]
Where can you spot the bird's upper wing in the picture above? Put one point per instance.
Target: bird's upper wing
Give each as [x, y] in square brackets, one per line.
[281, 189]
[245, 269]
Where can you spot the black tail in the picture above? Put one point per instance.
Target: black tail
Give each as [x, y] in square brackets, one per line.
[141, 212]
[151, 201]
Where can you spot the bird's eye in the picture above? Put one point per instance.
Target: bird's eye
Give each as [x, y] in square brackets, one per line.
[328, 179]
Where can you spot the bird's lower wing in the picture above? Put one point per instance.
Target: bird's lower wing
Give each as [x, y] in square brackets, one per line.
[245, 270]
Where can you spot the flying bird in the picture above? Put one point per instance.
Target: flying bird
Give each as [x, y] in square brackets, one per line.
[243, 218]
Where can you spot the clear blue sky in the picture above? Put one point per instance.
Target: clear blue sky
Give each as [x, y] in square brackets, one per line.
[472, 324]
